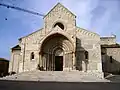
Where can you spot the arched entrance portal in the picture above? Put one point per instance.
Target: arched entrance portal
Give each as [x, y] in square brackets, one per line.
[56, 53]
[59, 53]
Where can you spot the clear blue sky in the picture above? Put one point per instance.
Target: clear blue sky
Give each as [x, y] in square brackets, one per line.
[100, 16]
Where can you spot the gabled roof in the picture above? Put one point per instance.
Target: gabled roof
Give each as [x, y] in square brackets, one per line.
[31, 33]
[3, 59]
[61, 6]
[107, 37]
[17, 47]
[111, 46]
[87, 30]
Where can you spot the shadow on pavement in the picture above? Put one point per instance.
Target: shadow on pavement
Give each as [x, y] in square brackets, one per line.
[34, 85]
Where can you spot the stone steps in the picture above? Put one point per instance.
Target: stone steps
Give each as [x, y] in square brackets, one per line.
[60, 76]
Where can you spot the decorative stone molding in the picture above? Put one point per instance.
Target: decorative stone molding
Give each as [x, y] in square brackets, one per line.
[61, 9]
[85, 32]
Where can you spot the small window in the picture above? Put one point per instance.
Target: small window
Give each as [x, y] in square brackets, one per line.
[60, 25]
[32, 56]
[86, 55]
[111, 59]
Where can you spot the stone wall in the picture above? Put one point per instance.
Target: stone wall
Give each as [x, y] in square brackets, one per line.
[15, 60]
[111, 60]
[29, 44]
[90, 42]
[108, 40]
[60, 14]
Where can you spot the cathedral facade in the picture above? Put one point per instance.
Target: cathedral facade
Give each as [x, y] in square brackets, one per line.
[62, 46]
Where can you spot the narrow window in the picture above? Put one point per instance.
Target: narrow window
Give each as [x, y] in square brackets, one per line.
[60, 25]
[86, 55]
[32, 56]
[111, 59]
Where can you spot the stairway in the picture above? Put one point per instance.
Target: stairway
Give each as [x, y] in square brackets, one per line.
[59, 76]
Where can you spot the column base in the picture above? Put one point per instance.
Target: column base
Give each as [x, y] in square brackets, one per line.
[67, 69]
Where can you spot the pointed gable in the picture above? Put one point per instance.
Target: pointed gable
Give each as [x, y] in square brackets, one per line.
[59, 7]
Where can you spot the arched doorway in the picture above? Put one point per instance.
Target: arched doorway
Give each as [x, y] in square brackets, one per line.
[56, 53]
[59, 54]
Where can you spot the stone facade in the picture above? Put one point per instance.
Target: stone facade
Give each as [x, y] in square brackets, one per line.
[111, 57]
[59, 46]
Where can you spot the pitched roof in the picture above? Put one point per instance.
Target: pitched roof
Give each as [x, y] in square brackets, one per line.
[107, 37]
[17, 47]
[62, 6]
[31, 33]
[87, 30]
[111, 46]
[3, 59]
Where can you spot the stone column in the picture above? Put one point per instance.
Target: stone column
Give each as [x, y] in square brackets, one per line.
[40, 59]
[47, 61]
[52, 63]
[74, 60]
[23, 55]
[70, 61]
[64, 58]
[18, 64]
[12, 62]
